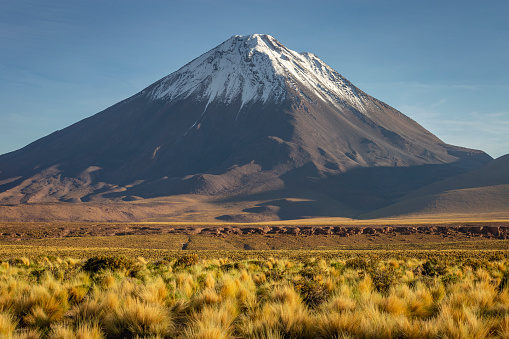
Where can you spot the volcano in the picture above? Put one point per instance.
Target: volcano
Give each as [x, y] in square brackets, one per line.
[249, 120]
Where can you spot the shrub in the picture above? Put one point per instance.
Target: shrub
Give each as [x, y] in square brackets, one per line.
[227, 267]
[337, 265]
[496, 257]
[449, 279]
[475, 263]
[100, 263]
[275, 275]
[313, 293]
[383, 279]
[37, 274]
[186, 260]
[357, 263]
[308, 272]
[433, 268]
[19, 262]
[239, 265]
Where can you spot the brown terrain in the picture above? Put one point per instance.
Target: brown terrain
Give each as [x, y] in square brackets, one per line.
[466, 229]
[157, 240]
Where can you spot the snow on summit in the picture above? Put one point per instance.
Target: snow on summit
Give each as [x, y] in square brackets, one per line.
[257, 68]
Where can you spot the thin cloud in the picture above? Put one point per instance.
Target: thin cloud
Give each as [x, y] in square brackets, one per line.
[431, 86]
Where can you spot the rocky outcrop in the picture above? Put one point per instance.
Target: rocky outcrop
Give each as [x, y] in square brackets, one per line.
[497, 230]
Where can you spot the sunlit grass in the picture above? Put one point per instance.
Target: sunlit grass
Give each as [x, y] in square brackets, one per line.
[273, 296]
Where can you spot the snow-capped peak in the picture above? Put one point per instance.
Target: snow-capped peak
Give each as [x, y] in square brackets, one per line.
[255, 67]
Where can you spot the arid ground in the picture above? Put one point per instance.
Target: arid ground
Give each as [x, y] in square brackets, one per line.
[155, 239]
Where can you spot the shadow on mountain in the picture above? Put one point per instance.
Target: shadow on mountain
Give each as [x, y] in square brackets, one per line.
[294, 208]
[351, 194]
[483, 190]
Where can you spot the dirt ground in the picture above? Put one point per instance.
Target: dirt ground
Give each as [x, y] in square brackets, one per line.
[301, 235]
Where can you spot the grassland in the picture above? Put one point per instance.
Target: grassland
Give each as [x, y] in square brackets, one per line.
[65, 281]
[156, 246]
[298, 295]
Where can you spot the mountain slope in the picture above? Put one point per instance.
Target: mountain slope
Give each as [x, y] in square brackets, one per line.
[483, 190]
[248, 117]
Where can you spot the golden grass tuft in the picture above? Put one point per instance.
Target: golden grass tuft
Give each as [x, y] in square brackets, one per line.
[502, 330]
[340, 303]
[28, 334]
[229, 287]
[61, 331]
[134, 317]
[77, 293]
[395, 305]
[365, 286]
[207, 297]
[210, 281]
[213, 321]
[335, 325]
[89, 331]
[7, 325]
[286, 295]
[89, 310]
[259, 278]
[83, 331]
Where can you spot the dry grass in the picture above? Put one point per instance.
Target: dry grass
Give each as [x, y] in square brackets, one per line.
[376, 295]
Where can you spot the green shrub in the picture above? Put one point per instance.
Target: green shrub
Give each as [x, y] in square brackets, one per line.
[37, 273]
[186, 260]
[239, 265]
[313, 293]
[310, 262]
[119, 262]
[227, 267]
[357, 263]
[308, 272]
[337, 265]
[449, 279]
[433, 268]
[275, 275]
[496, 257]
[383, 279]
[475, 263]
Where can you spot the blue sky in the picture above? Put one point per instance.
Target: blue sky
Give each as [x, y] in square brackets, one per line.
[443, 63]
